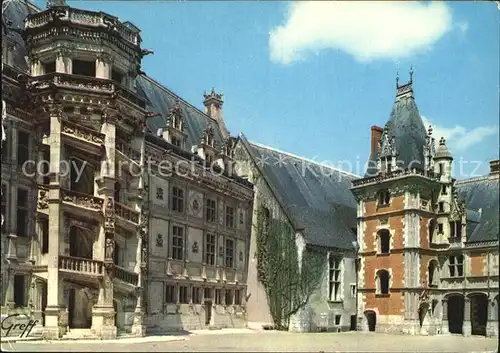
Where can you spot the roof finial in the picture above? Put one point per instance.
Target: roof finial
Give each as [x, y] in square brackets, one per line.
[429, 130]
[411, 73]
[397, 79]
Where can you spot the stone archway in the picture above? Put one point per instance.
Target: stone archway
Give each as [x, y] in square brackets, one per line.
[455, 309]
[479, 313]
[371, 320]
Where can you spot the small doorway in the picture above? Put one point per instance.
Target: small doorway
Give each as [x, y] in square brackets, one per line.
[371, 319]
[353, 323]
[208, 312]
[479, 314]
[44, 301]
[455, 313]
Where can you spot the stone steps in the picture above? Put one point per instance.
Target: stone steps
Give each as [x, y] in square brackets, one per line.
[80, 334]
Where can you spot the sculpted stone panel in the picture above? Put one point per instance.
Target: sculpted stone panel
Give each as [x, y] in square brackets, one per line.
[195, 244]
[195, 204]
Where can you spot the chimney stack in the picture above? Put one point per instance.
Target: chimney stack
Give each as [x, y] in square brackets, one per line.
[495, 168]
[376, 135]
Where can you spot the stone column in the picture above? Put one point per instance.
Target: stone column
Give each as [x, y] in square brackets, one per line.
[444, 311]
[56, 319]
[142, 205]
[9, 290]
[103, 66]
[103, 313]
[466, 327]
[492, 323]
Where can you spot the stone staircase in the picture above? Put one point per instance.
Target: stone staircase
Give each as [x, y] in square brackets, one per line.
[80, 334]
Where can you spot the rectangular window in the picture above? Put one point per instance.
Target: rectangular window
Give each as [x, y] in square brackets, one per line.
[210, 211]
[208, 293]
[441, 169]
[195, 295]
[229, 297]
[456, 266]
[117, 76]
[23, 147]
[229, 252]
[210, 249]
[177, 243]
[334, 277]
[440, 228]
[353, 290]
[49, 67]
[237, 297]
[183, 295]
[22, 212]
[384, 198]
[46, 167]
[229, 217]
[177, 199]
[441, 206]
[4, 207]
[44, 228]
[19, 291]
[444, 190]
[83, 68]
[218, 296]
[170, 294]
[338, 319]
[460, 265]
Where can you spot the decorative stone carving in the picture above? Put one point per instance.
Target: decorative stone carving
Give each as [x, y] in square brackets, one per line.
[195, 248]
[90, 202]
[195, 203]
[159, 240]
[110, 248]
[43, 200]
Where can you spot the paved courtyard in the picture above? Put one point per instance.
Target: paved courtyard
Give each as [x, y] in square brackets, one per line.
[258, 341]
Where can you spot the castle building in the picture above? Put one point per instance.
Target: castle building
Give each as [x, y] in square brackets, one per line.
[428, 242]
[305, 210]
[121, 212]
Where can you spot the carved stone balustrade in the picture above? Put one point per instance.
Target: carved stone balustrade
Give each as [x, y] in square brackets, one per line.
[229, 274]
[126, 213]
[82, 200]
[80, 265]
[394, 174]
[83, 18]
[82, 133]
[125, 275]
[77, 82]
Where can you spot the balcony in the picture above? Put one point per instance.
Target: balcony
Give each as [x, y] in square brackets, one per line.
[82, 137]
[80, 265]
[81, 201]
[127, 214]
[126, 276]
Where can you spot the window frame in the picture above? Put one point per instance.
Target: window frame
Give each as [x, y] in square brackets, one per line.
[23, 147]
[229, 216]
[177, 243]
[177, 199]
[210, 247]
[22, 209]
[334, 277]
[229, 252]
[210, 212]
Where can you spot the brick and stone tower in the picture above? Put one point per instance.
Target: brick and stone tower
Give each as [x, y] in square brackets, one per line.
[397, 202]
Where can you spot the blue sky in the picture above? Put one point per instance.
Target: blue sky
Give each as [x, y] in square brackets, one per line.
[312, 78]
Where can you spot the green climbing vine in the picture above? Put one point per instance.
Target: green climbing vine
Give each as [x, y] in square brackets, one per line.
[288, 286]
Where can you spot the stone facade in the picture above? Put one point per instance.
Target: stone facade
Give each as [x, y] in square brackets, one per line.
[97, 235]
[428, 265]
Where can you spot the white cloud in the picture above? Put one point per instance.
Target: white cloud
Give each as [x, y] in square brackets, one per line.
[366, 30]
[458, 138]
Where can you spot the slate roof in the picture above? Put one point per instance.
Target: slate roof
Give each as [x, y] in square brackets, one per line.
[406, 125]
[317, 197]
[482, 201]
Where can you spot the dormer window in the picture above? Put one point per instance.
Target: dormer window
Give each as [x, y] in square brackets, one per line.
[444, 190]
[175, 141]
[384, 198]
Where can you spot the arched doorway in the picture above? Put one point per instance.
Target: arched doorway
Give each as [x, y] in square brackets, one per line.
[478, 313]
[371, 319]
[423, 313]
[455, 313]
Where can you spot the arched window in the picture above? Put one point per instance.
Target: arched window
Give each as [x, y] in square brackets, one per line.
[432, 271]
[432, 229]
[383, 282]
[384, 241]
